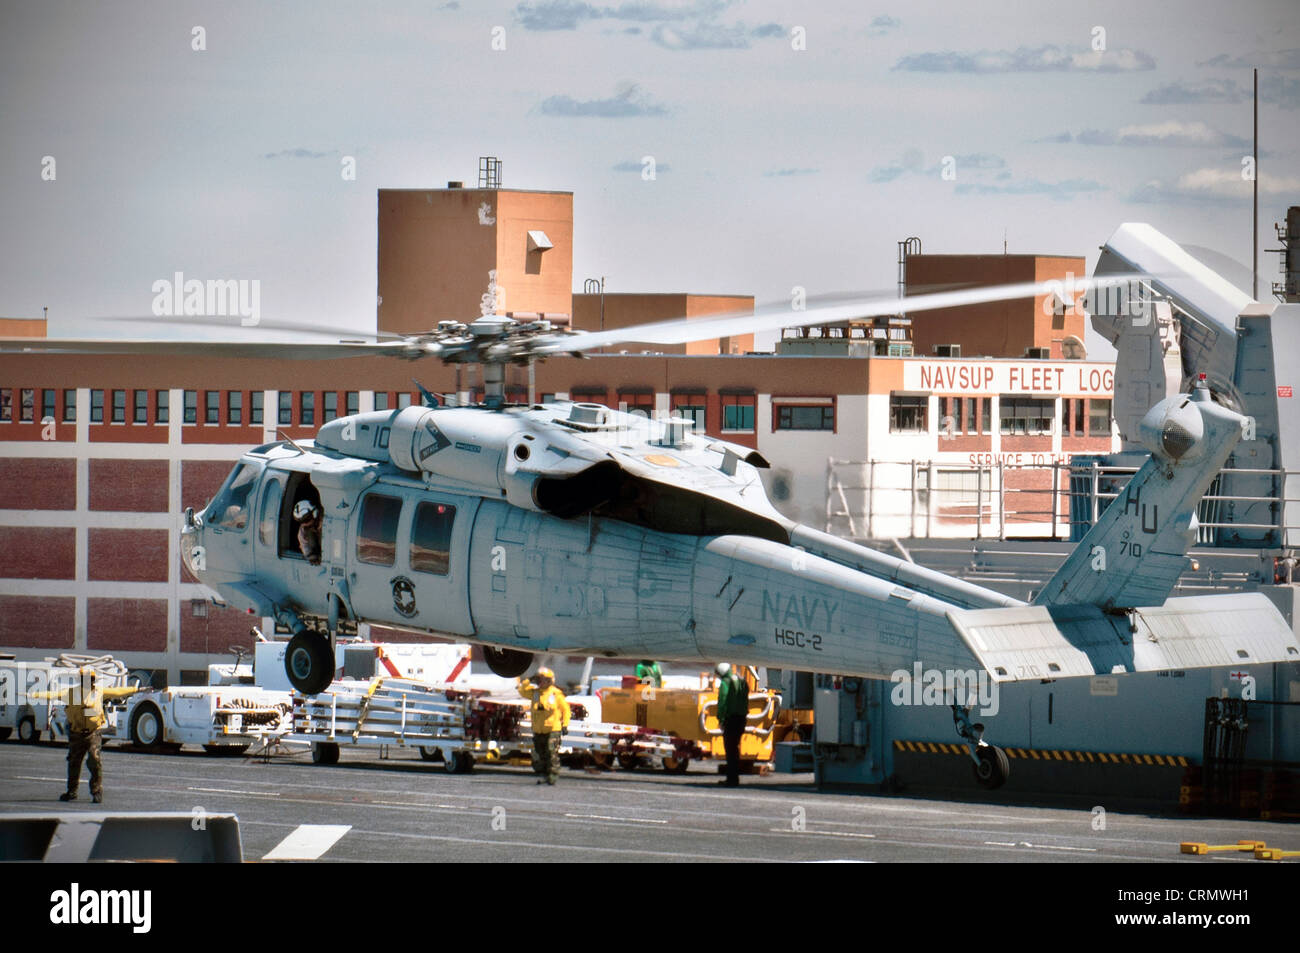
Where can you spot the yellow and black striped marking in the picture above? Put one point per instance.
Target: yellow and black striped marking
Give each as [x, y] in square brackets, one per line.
[1040, 754]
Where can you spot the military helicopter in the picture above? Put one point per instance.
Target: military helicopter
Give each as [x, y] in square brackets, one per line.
[573, 528]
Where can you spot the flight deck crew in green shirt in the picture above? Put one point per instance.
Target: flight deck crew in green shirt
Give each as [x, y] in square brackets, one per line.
[733, 711]
[649, 672]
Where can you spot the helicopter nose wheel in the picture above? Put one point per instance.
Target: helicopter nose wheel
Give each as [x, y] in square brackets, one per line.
[309, 663]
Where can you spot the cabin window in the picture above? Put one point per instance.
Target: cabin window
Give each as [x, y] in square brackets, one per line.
[266, 526]
[230, 508]
[377, 531]
[431, 538]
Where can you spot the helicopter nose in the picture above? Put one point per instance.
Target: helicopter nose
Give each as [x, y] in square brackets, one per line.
[192, 551]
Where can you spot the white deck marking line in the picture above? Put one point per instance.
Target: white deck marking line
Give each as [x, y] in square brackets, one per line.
[787, 830]
[27, 777]
[606, 817]
[1025, 843]
[235, 791]
[308, 842]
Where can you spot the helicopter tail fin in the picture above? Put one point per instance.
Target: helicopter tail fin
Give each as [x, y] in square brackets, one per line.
[1137, 549]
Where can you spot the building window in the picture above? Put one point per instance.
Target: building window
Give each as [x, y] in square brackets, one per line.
[1099, 418]
[255, 407]
[640, 403]
[330, 408]
[191, 407]
[1021, 416]
[381, 400]
[69, 406]
[119, 406]
[307, 408]
[738, 412]
[403, 400]
[235, 408]
[286, 407]
[693, 409]
[47, 404]
[161, 406]
[6, 405]
[96, 406]
[431, 538]
[212, 407]
[805, 417]
[908, 414]
[352, 403]
[141, 409]
[377, 530]
[972, 410]
[26, 407]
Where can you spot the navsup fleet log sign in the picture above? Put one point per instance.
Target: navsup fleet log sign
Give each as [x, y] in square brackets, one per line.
[1076, 378]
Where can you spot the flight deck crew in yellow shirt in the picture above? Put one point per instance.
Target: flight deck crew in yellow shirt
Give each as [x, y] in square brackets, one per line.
[86, 719]
[550, 718]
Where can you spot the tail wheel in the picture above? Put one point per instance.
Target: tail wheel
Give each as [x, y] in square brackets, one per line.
[325, 752]
[309, 663]
[993, 768]
[147, 726]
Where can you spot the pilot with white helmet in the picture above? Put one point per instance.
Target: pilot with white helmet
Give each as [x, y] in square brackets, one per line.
[308, 517]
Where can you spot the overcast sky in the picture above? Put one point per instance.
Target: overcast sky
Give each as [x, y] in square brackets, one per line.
[775, 165]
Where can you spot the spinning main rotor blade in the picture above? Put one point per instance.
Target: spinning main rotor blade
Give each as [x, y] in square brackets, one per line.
[681, 331]
[289, 351]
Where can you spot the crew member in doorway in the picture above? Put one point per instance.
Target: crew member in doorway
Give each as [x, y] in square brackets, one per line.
[649, 673]
[85, 712]
[733, 710]
[308, 518]
[550, 718]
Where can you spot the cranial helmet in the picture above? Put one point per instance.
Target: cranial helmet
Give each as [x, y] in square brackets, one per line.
[545, 673]
[303, 510]
[723, 668]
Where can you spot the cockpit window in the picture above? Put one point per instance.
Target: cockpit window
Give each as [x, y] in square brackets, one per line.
[230, 508]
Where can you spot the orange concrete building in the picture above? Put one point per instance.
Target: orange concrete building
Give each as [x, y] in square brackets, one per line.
[453, 254]
[609, 312]
[1002, 328]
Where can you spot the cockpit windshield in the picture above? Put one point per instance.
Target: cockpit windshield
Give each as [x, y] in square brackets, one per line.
[229, 509]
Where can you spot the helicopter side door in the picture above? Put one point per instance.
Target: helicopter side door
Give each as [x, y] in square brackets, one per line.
[408, 559]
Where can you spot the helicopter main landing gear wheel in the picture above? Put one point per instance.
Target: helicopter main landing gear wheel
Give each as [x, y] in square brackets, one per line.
[506, 663]
[993, 768]
[309, 663]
